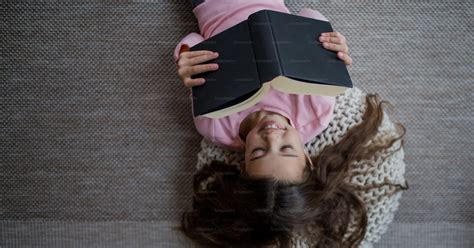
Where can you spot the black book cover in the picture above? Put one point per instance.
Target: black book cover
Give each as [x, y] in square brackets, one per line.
[256, 50]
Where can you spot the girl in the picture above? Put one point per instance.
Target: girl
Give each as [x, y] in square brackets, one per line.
[279, 189]
[269, 149]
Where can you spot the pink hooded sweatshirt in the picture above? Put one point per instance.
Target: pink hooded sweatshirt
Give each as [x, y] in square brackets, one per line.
[308, 114]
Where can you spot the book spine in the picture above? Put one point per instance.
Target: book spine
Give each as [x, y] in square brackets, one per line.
[264, 46]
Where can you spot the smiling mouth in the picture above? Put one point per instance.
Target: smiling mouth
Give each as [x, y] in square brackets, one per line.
[270, 126]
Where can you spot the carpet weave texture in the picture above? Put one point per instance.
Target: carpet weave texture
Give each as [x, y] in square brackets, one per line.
[98, 146]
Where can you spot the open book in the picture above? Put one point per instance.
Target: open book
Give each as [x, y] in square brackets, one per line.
[269, 47]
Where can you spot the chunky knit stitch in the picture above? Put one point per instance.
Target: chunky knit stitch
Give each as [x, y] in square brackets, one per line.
[381, 203]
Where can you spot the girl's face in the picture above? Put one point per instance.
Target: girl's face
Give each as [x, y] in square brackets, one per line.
[273, 148]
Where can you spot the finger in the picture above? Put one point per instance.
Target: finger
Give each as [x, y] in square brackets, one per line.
[348, 60]
[345, 57]
[336, 47]
[191, 54]
[188, 71]
[191, 82]
[335, 40]
[192, 70]
[335, 36]
[202, 58]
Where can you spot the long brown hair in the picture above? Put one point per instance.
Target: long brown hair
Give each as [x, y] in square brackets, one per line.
[240, 211]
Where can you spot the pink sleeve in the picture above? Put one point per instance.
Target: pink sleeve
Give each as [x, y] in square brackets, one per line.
[205, 127]
[219, 132]
[191, 39]
[311, 13]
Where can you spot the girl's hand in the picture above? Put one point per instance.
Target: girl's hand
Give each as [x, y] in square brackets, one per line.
[335, 41]
[189, 64]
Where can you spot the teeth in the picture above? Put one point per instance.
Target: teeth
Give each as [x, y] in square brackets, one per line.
[271, 126]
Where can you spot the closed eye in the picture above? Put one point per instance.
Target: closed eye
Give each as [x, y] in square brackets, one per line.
[288, 147]
[257, 149]
[283, 148]
[263, 149]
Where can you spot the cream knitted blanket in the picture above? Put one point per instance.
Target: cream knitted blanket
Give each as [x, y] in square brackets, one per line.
[348, 112]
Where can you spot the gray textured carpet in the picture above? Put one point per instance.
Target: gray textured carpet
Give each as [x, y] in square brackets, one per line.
[98, 145]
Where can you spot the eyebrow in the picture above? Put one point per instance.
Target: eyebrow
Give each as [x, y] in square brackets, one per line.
[284, 155]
